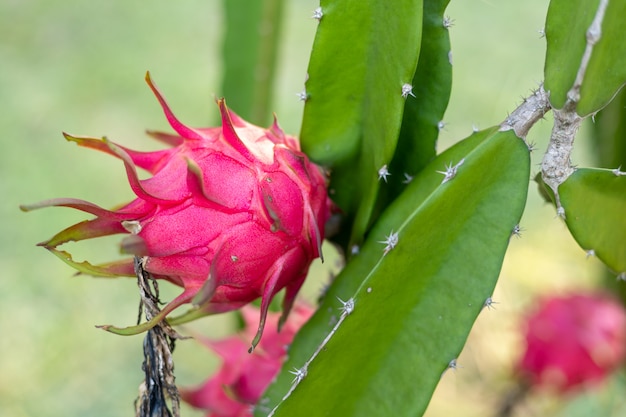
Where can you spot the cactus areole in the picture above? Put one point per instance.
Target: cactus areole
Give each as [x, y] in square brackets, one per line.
[230, 214]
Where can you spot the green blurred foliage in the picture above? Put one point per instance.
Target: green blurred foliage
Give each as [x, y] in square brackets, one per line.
[249, 55]
[78, 66]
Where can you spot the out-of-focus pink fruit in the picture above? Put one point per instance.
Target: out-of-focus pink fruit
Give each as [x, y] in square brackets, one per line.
[574, 340]
[243, 377]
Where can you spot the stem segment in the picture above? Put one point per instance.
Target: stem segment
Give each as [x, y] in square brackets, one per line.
[159, 384]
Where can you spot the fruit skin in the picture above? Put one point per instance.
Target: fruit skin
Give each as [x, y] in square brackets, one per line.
[230, 214]
[574, 340]
[239, 383]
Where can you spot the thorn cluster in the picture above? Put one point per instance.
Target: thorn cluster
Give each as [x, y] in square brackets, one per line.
[347, 307]
[303, 95]
[489, 303]
[299, 374]
[619, 173]
[383, 173]
[390, 242]
[450, 171]
[451, 365]
[318, 14]
[407, 90]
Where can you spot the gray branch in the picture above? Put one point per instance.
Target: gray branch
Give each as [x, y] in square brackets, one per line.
[159, 386]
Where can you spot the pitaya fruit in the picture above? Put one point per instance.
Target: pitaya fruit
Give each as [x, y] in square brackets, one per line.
[238, 385]
[573, 341]
[230, 214]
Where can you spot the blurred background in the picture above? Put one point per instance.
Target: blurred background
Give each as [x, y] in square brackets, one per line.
[78, 66]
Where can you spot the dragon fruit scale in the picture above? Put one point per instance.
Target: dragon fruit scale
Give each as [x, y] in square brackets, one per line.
[230, 214]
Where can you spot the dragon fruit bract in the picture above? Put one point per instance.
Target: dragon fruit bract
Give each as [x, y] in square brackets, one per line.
[230, 214]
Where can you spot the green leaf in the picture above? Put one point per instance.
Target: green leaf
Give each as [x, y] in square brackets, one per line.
[595, 213]
[566, 24]
[432, 84]
[606, 72]
[566, 31]
[364, 51]
[250, 49]
[609, 133]
[415, 305]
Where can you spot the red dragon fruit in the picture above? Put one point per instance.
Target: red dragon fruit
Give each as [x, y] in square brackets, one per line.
[574, 340]
[239, 383]
[230, 214]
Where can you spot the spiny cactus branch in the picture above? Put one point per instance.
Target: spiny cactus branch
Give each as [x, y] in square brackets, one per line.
[593, 36]
[531, 110]
[159, 385]
[556, 166]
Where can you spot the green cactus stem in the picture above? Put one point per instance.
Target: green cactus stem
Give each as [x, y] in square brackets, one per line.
[595, 203]
[402, 308]
[364, 52]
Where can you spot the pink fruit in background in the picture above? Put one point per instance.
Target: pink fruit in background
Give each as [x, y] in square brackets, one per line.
[230, 214]
[241, 380]
[574, 340]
